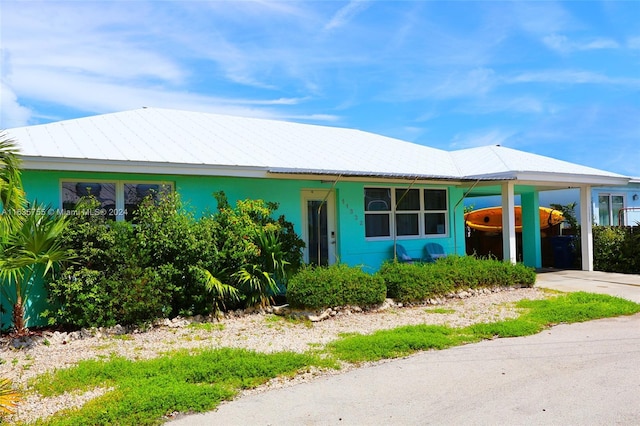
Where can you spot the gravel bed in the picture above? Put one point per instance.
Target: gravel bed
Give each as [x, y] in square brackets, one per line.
[263, 332]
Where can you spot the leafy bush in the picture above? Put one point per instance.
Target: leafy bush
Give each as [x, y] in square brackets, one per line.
[236, 235]
[419, 281]
[336, 285]
[471, 272]
[171, 264]
[408, 282]
[615, 249]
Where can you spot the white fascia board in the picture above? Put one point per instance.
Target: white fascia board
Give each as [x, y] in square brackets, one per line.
[549, 179]
[115, 166]
[569, 179]
[383, 180]
[365, 174]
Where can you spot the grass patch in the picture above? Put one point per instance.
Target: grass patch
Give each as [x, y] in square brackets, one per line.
[145, 391]
[206, 326]
[577, 307]
[440, 311]
[536, 316]
[510, 328]
[397, 342]
[122, 337]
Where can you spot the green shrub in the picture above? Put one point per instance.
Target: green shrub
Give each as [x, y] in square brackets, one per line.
[416, 282]
[166, 237]
[130, 274]
[615, 249]
[412, 282]
[235, 234]
[336, 285]
[83, 299]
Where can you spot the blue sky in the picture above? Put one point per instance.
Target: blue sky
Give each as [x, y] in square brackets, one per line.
[554, 78]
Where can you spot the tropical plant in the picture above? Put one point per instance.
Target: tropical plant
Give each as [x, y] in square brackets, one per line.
[221, 292]
[259, 281]
[29, 241]
[11, 192]
[9, 398]
[569, 213]
[30, 250]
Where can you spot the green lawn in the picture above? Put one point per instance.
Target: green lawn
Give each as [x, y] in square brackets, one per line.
[143, 392]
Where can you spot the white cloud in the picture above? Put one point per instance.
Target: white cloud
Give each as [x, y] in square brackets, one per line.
[542, 17]
[476, 82]
[98, 95]
[12, 114]
[480, 138]
[634, 43]
[501, 104]
[345, 14]
[314, 117]
[572, 77]
[562, 44]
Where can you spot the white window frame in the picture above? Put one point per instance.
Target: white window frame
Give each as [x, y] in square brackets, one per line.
[120, 209]
[392, 212]
[613, 220]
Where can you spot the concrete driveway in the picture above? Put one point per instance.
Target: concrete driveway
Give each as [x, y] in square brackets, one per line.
[621, 285]
[578, 374]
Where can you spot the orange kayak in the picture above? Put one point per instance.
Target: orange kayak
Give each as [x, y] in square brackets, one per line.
[490, 219]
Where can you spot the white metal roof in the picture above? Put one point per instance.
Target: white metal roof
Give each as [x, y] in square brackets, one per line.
[171, 137]
[498, 162]
[149, 139]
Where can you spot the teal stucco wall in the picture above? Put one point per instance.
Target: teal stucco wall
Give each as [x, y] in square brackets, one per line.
[196, 192]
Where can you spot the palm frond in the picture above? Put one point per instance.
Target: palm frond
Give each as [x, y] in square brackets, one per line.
[9, 398]
[221, 292]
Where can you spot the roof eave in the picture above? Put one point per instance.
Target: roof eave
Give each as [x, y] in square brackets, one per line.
[554, 178]
[359, 173]
[143, 167]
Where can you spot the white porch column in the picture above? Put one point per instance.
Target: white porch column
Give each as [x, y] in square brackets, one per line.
[586, 228]
[508, 223]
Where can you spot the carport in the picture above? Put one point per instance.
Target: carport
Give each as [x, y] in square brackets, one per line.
[496, 170]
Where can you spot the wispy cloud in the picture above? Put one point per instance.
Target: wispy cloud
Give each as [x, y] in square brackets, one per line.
[634, 43]
[346, 14]
[572, 77]
[314, 117]
[563, 44]
[526, 104]
[442, 85]
[480, 138]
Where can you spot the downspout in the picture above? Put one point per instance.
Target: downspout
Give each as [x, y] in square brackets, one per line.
[324, 200]
[455, 222]
[395, 237]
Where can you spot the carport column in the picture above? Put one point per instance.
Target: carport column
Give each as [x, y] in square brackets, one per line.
[586, 228]
[531, 242]
[508, 223]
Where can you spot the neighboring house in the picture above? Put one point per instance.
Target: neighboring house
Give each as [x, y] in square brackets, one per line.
[351, 194]
[617, 205]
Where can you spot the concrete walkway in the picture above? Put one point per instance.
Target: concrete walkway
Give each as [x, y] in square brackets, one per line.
[575, 374]
[622, 285]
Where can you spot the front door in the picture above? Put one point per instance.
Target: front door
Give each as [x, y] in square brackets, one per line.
[319, 231]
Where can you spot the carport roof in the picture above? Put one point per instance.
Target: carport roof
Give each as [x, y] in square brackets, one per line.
[183, 142]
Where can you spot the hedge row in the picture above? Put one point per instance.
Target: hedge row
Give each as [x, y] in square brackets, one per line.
[405, 282]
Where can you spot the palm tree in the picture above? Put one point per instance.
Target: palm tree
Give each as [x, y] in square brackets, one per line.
[11, 192]
[30, 237]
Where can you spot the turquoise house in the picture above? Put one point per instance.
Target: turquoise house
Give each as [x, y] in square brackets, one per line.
[352, 195]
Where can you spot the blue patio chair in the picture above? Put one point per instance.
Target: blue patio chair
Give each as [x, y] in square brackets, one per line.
[403, 256]
[433, 252]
